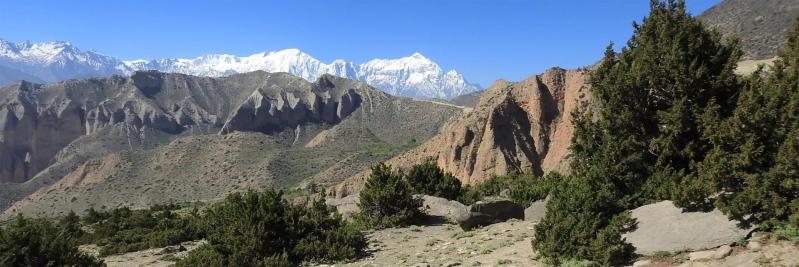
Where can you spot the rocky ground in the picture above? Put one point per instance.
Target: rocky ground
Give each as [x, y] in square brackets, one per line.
[501, 244]
[157, 257]
[509, 244]
[506, 244]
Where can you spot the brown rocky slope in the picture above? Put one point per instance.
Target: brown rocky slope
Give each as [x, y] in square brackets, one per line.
[297, 131]
[524, 126]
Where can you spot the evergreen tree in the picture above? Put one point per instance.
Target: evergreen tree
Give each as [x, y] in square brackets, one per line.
[37, 242]
[752, 169]
[427, 178]
[646, 138]
[387, 200]
[261, 229]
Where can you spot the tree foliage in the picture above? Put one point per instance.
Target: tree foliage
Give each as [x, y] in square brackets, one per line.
[38, 242]
[752, 172]
[646, 138]
[261, 229]
[522, 188]
[387, 200]
[427, 178]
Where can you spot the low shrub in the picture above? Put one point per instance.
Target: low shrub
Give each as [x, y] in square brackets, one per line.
[125, 230]
[261, 229]
[387, 200]
[427, 178]
[38, 242]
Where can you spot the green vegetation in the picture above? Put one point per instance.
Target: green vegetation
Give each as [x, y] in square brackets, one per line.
[261, 229]
[427, 178]
[243, 230]
[675, 122]
[38, 242]
[787, 231]
[657, 99]
[387, 200]
[522, 188]
[125, 230]
[752, 171]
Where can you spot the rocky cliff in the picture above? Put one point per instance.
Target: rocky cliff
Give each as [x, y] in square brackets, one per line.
[303, 132]
[524, 126]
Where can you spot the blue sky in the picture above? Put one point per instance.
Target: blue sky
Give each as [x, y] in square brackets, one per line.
[483, 39]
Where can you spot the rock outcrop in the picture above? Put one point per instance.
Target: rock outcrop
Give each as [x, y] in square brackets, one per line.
[536, 211]
[524, 126]
[665, 227]
[490, 211]
[443, 209]
[50, 131]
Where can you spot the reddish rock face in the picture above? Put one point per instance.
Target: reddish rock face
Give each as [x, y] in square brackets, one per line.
[524, 126]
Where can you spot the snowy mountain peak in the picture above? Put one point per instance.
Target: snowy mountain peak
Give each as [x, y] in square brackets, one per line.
[414, 76]
[418, 55]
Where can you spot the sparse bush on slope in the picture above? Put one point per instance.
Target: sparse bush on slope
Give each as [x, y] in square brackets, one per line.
[261, 229]
[522, 188]
[124, 230]
[387, 200]
[427, 178]
[38, 242]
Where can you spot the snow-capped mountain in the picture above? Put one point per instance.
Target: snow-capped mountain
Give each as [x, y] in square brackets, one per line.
[414, 76]
[52, 61]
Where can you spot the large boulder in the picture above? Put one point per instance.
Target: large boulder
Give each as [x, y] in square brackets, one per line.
[444, 209]
[536, 211]
[346, 206]
[490, 211]
[665, 227]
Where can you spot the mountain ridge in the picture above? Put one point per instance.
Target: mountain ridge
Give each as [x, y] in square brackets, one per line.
[414, 76]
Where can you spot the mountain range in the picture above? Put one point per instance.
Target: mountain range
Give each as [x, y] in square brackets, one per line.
[412, 76]
[139, 140]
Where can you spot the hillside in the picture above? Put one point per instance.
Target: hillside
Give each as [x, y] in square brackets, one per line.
[760, 25]
[328, 128]
[522, 126]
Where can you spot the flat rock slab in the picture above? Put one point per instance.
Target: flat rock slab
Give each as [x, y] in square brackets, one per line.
[490, 211]
[536, 211]
[346, 206]
[665, 227]
[447, 210]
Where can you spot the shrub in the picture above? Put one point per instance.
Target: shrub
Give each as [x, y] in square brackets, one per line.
[261, 229]
[583, 222]
[427, 178]
[125, 230]
[37, 242]
[387, 200]
[655, 106]
[522, 188]
[787, 231]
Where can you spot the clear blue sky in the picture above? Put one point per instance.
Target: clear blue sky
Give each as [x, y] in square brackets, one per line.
[483, 39]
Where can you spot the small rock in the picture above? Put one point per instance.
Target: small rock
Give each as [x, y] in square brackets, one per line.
[422, 264]
[642, 263]
[701, 255]
[451, 264]
[722, 252]
[693, 264]
[754, 246]
[477, 263]
[536, 211]
[758, 236]
[172, 249]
